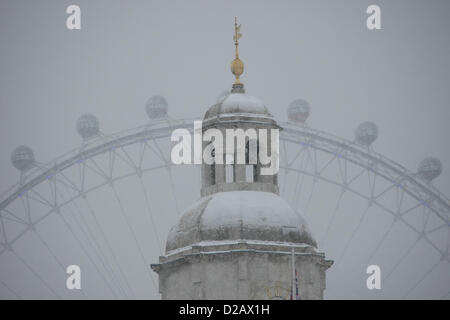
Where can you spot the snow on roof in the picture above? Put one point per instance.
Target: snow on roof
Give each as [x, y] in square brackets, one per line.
[237, 103]
[205, 244]
[243, 101]
[249, 208]
[233, 215]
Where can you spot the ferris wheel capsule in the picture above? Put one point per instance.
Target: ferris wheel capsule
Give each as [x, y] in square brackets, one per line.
[88, 126]
[298, 111]
[156, 107]
[22, 158]
[429, 168]
[366, 133]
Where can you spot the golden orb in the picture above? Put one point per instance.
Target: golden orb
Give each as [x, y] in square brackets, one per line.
[237, 68]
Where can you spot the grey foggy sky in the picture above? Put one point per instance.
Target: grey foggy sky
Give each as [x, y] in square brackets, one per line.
[320, 51]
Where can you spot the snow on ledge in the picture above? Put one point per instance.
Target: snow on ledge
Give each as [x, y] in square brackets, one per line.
[240, 241]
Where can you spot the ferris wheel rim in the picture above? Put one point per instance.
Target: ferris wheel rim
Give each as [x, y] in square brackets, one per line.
[112, 139]
[162, 129]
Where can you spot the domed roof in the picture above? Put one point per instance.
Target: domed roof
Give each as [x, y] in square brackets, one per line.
[222, 96]
[238, 103]
[239, 215]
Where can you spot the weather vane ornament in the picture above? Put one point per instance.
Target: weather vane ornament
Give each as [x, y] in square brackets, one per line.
[237, 66]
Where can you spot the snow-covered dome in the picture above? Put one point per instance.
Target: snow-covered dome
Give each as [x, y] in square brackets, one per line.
[238, 103]
[239, 215]
[222, 96]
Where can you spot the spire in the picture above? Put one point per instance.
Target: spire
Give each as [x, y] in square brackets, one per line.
[237, 36]
[237, 66]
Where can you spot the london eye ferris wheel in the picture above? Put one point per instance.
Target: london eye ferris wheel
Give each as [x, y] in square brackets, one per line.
[108, 203]
[83, 190]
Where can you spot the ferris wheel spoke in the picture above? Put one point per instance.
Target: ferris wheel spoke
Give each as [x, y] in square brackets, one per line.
[424, 276]
[333, 158]
[142, 149]
[410, 209]
[387, 189]
[12, 217]
[40, 199]
[150, 214]
[356, 176]
[127, 159]
[15, 220]
[69, 189]
[282, 188]
[399, 199]
[36, 274]
[138, 246]
[14, 293]
[155, 152]
[168, 166]
[299, 153]
[86, 253]
[53, 255]
[157, 146]
[105, 238]
[333, 216]
[380, 243]
[300, 180]
[66, 181]
[174, 194]
[440, 227]
[432, 244]
[112, 161]
[169, 169]
[399, 261]
[94, 244]
[342, 170]
[25, 203]
[3, 231]
[82, 175]
[370, 200]
[425, 219]
[286, 167]
[97, 169]
[26, 206]
[371, 182]
[297, 193]
[310, 198]
[349, 241]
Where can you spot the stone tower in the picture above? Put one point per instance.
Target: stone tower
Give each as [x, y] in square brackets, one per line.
[241, 239]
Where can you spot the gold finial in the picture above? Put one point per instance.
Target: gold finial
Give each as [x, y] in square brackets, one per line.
[237, 66]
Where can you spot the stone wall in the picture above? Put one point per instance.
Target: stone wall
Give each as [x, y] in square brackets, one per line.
[241, 270]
